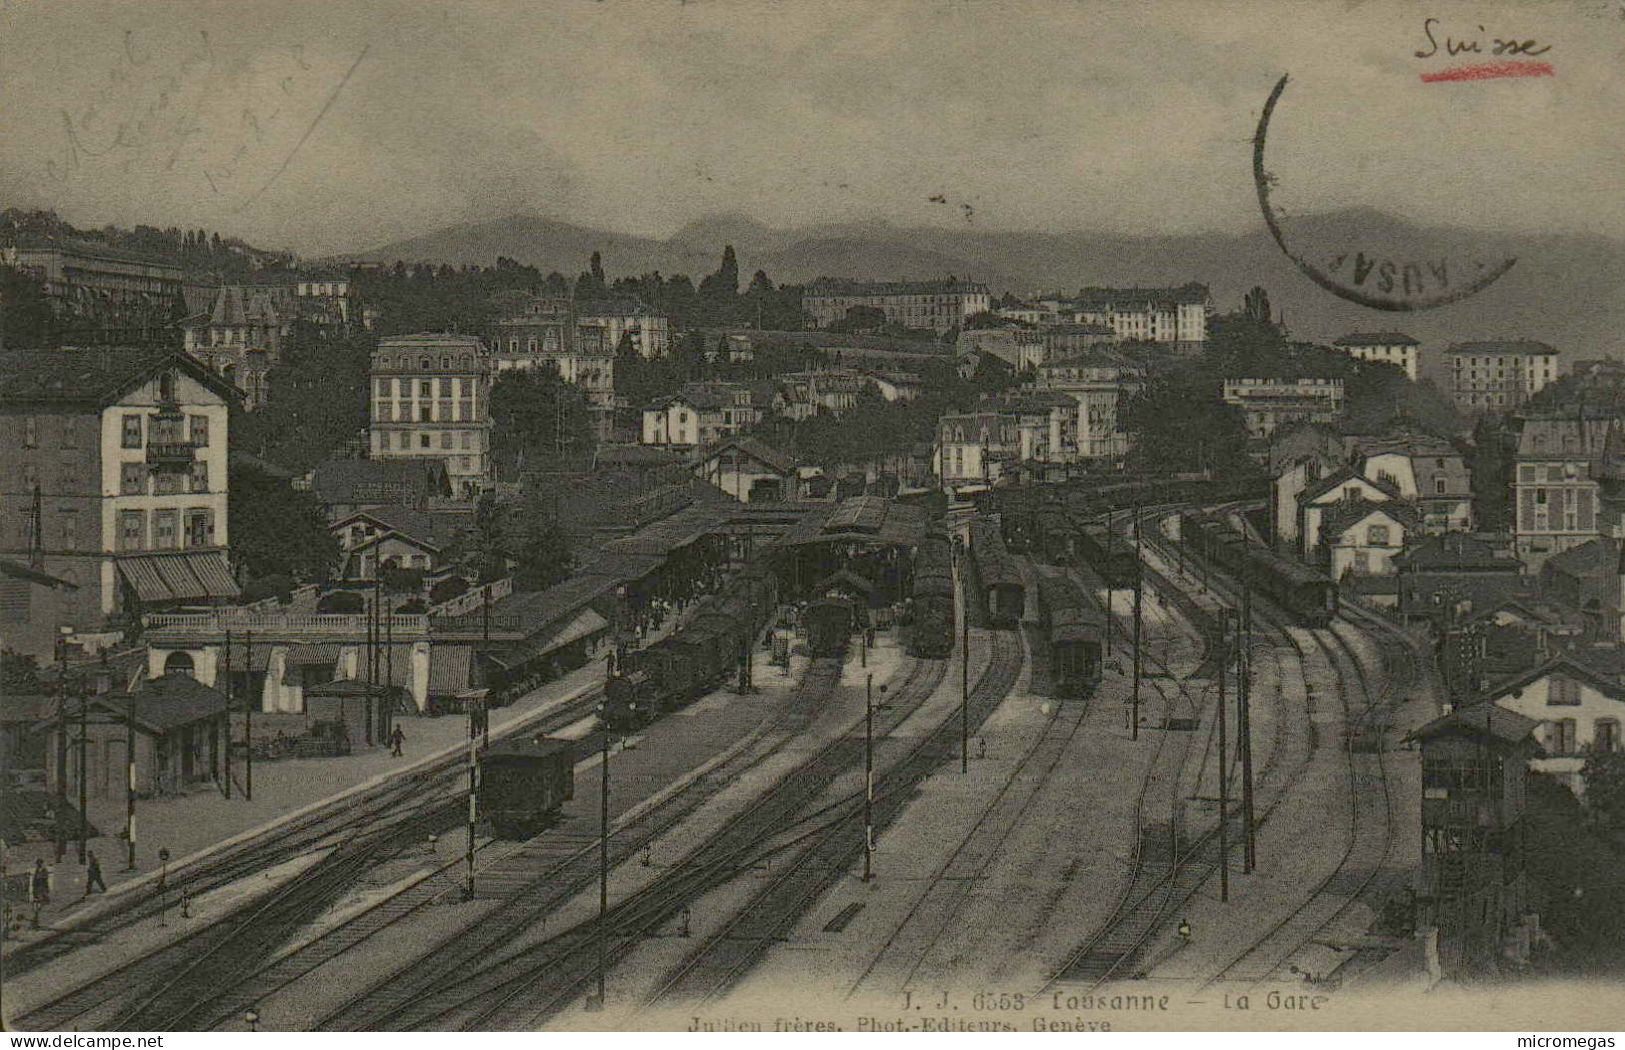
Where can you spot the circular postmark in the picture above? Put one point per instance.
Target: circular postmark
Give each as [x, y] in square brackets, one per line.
[1381, 281]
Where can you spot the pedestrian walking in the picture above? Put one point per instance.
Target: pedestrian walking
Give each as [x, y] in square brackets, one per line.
[39, 889]
[93, 875]
[396, 739]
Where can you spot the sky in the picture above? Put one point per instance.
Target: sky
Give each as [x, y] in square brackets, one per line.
[322, 127]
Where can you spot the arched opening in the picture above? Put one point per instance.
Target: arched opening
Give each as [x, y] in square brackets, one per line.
[179, 663]
[166, 387]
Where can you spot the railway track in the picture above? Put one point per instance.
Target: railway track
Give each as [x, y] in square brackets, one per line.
[1177, 863]
[322, 828]
[542, 881]
[1370, 832]
[728, 954]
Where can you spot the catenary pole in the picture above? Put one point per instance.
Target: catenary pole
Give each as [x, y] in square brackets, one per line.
[1134, 729]
[248, 717]
[230, 693]
[1224, 761]
[868, 777]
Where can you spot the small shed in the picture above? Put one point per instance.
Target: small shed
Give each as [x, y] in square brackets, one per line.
[364, 710]
[179, 726]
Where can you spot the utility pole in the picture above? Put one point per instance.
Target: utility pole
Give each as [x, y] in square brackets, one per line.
[868, 777]
[1134, 730]
[473, 802]
[1224, 761]
[61, 747]
[964, 692]
[602, 930]
[229, 694]
[485, 635]
[248, 717]
[129, 777]
[374, 635]
[84, 779]
[1244, 717]
[1110, 605]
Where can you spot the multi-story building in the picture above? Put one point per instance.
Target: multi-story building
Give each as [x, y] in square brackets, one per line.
[934, 305]
[430, 396]
[1020, 348]
[1389, 348]
[1499, 375]
[700, 415]
[1554, 485]
[241, 336]
[1424, 470]
[975, 448]
[829, 391]
[547, 333]
[1099, 382]
[1064, 340]
[1157, 315]
[116, 479]
[96, 289]
[1047, 422]
[648, 330]
[1270, 403]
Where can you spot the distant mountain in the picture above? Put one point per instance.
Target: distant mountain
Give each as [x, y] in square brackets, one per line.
[1564, 289]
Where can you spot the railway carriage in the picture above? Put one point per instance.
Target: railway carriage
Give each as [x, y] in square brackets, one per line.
[1111, 556]
[932, 600]
[999, 581]
[1075, 629]
[524, 782]
[829, 623]
[1308, 594]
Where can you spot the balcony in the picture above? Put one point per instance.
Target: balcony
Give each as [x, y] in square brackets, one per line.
[171, 455]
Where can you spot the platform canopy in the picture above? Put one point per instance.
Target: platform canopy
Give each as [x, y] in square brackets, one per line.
[181, 576]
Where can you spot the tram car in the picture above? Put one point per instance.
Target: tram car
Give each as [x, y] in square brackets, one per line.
[1308, 594]
[1075, 629]
[1054, 536]
[998, 579]
[932, 600]
[524, 781]
[696, 657]
[1111, 555]
[829, 623]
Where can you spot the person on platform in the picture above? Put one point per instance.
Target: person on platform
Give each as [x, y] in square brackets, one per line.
[39, 889]
[93, 875]
[396, 739]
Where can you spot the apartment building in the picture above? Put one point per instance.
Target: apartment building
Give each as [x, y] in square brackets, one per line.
[117, 481]
[430, 395]
[1499, 375]
[1270, 403]
[1389, 348]
[934, 305]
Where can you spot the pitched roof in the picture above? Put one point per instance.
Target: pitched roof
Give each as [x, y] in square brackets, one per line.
[847, 286]
[1376, 339]
[379, 480]
[1478, 719]
[16, 570]
[1343, 476]
[424, 527]
[235, 304]
[1593, 558]
[167, 702]
[1349, 513]
[1193, 292]
[1566, 436]
[98, 376]
[1601, 668]
[781, 462]
[1456, 550]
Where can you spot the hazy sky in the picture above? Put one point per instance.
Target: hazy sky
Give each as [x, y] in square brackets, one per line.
[322, 126]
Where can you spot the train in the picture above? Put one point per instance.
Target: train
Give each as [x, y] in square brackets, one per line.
[1110, 555]
[999, 583]
[696, 657]
[1308, 594]
[1074, 627]
[829, 623]
[931, 634]
[523, 783]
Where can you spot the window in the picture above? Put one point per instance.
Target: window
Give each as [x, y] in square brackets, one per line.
[445, 440]
[426, 388]
[423, 441]
[199, 432]
[200, 528]
[467, 439]
[1377, 536]
[132, 431]
[1540, 497]
[132, 479]
[200, 475]
[165, 529]
[1605, 734]
[68, 523]
[1438, 485]
[1560, 736]
[1562, 692]
[423, 363]
[132, 527]
[425, 411]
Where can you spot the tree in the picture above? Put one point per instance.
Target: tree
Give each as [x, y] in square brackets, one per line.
[723, 286]
[397, 579]
[598, 270]
[276, 531]
[536, 418]
[25, 314]
[543, 556]
[1256, 305]
[447, 589]
[346, 602]
[1491, 465]
[1604, 776]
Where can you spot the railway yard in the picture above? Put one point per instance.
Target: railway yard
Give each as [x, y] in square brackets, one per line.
[989, 772]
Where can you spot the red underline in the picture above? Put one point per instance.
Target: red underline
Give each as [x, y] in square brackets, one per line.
[1490, 71]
